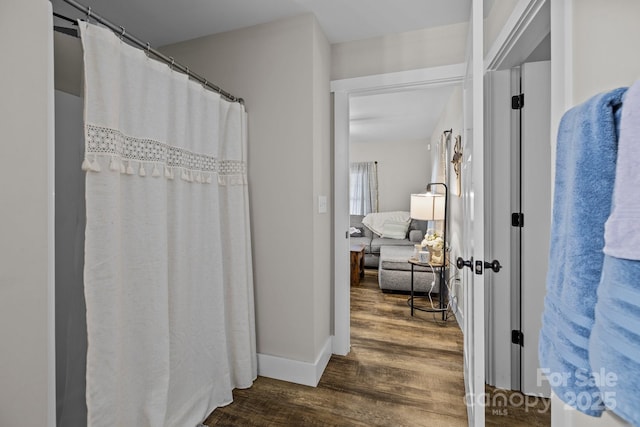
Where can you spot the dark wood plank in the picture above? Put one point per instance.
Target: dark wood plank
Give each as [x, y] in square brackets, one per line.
[401, 371]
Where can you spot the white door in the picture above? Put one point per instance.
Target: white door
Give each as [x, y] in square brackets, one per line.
[342, 297]
[472, 251]
[518, 180]
[536, 207]
[498, 195]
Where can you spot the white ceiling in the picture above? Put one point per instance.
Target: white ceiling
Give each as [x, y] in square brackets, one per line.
[407, 115]
[162, 22]
[399, 116]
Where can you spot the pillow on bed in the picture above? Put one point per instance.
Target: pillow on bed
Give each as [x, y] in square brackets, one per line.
[395, 229]
[356, 232]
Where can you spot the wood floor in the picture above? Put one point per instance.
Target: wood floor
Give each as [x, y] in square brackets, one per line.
[401, 371]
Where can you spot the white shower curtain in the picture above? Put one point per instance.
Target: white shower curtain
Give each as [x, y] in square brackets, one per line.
[168, 278]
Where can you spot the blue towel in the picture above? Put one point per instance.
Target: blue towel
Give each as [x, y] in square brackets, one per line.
[585, 173]
[614, 347]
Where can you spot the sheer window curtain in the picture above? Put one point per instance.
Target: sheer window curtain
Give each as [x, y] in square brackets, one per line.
[168, 278]
[363, 188]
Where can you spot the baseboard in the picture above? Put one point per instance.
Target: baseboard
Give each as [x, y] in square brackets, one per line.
[295, 371]
[456, 312]
[339, 346]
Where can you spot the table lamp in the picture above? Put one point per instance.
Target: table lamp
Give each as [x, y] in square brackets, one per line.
[431, 207]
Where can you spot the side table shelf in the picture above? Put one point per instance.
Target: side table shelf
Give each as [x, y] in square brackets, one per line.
[441, 288]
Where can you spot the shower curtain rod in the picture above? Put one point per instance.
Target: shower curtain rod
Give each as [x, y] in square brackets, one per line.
[121, 31]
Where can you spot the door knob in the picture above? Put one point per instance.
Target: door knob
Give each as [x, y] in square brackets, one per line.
[494, 265]
[460, 263]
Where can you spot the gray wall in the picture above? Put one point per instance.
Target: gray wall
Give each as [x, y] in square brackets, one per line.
[604, 33]
[404, 167]
[432, 47]
[281, 69]
[599, 34]
[71, 323]
[452, 119]
[27, 362]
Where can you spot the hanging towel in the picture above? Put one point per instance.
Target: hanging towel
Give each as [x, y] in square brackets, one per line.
[622, 229]
[614, 348]
[585, 173]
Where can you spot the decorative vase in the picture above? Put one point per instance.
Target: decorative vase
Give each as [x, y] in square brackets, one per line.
[436, 255]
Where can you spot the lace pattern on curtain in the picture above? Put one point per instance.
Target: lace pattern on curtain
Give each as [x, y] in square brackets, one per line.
[130, 155]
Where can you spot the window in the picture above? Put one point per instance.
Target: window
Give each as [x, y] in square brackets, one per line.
[363, 188]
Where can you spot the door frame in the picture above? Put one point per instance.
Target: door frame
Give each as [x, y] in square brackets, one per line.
[528, 25]
[524, 29]
[343, 90]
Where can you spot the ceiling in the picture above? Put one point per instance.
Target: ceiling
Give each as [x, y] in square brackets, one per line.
[409, 115]
[161, 22]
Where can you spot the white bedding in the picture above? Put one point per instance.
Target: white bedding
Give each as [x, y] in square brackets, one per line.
[375, 221]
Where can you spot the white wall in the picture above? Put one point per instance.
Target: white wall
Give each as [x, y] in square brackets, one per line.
[412, 50]
[27, 363]
[593, 49]
[605, 46]
[404, 167]
[495, 20]
[281, 70]
[322, 174]
[451, 118]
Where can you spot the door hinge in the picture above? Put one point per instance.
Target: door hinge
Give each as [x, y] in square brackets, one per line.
[517, 219]
[517, 102]
[517, 337]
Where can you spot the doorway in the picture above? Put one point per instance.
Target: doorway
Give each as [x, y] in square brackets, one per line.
[343, 90]
[524, 39]
[518, 206]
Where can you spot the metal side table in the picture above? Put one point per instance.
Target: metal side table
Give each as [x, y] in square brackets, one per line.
[442, 288]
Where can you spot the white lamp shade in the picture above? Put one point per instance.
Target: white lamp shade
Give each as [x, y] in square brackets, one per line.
[427, 207]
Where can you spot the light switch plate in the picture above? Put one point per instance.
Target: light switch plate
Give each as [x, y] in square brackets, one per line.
[322, 204]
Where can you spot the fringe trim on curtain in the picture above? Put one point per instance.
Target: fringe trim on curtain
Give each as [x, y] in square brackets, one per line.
[133, 156]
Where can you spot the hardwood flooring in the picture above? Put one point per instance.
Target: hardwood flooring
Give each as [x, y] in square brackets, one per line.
[401, 371]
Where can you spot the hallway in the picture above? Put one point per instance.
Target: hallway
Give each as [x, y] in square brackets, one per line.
[401, 371]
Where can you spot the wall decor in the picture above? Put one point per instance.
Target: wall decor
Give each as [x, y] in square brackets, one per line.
[457, 161]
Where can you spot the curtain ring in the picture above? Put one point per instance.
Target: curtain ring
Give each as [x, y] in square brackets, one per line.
[89, 14]
[173, 61]
[188, 75]
[206, 82]
[148, 49]
[122, 33]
